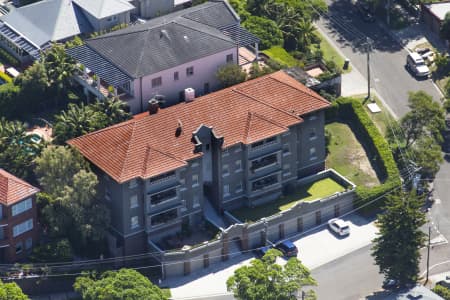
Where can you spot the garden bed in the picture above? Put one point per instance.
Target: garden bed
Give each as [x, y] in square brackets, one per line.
[308, 192]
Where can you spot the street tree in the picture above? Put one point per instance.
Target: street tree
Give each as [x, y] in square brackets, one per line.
[396, 248]
[445, 27]
[230, 74]
[11, 291]
[428, 155]
[264, 279]
[117, 285]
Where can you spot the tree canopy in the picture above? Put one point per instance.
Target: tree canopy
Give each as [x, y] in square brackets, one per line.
[11, 291]
[264, 279]
[396, 248]
[445, 27]
[266, 30]
[118, 285]
[230, 74]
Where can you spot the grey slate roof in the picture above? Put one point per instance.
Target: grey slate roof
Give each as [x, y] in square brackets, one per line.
[143, 51]
[104, 8]
[168, 41]
[47, 20]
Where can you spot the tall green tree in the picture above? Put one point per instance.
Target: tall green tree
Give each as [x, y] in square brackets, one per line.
[17, 149]
[114, 109]
[230, 74]
[264, 279]
[266, 30]
[34, 85]
[117, 285]
[11, 291]
[396, 248]
[9, 103]
[445, 27]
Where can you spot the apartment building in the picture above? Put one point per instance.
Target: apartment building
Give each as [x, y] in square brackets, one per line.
[238, 146]
[18, 218]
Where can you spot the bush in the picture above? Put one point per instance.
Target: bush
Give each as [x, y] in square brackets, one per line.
[266, 30]
[447, 89]
[52, 252]
[8, 100]
[5, 77]
[377, 150]
[442, 291]
[6, 57]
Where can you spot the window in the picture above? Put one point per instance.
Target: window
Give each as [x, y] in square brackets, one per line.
[21, 206]
[156, 82]
[19, 247]
[226, 190]
[23, 227]
[190, 71]
[313, 117]
[225, 170]
[134, 222]
[225, 152]
[286, 149]
[132, 184]
[176, 76]
[196, 201]
[286, 167]
[229, 58]
[238, 166]
[28, 243]
[312, 153]
[239, 187]
[312, 134]
[195, 164]
[134, 201]
[194, 180]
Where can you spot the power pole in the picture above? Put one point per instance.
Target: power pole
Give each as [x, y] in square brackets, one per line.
[368, 49]
[388, 14]
[428, 253]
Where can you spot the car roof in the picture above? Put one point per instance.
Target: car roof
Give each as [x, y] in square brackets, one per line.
[341, 223]
[416, 56]
[288, 244]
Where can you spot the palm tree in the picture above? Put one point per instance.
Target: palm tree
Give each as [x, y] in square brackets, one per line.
[60, 68]
[114, 109]
[306, 34]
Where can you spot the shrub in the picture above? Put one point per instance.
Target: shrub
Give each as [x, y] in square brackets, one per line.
[5, 77]
[8, 58]
[266, 30]
[52, 252]
[447, 88]
[377, 149]
[442, 291]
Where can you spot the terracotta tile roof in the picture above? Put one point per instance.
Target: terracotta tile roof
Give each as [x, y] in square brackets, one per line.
[13, 189]
[148, 145]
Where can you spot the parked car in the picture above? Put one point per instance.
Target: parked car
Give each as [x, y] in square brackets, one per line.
[364, 11]
[339, 226]
[416, 65]
[261, 251]
[287, 248]
[389, 284]
[445, 282]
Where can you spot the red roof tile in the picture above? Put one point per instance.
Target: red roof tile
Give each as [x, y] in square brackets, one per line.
[148, 144]
[13, 189]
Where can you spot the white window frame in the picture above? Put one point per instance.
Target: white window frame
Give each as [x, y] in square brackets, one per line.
[238, 164]
[195, 180]
[226, 190]
[21, 207]
[156, 82]
[133, 224]
[312, 153]
[134, 201]
[312, 134]
[23, 227]
[239, 187]
[225, 170]
[132, 183]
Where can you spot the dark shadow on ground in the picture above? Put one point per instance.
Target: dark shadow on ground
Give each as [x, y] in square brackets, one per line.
[351, 30]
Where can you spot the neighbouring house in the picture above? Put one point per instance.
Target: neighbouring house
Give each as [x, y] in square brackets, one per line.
[164, 56]
[18, 218]
[242, 145]
[433, 14]
[154, 8]
[27, 30]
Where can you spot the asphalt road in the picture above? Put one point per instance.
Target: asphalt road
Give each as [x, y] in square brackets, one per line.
[353, 276]
[387, 60]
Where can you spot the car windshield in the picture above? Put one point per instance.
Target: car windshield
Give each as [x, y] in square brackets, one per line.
[420, 63]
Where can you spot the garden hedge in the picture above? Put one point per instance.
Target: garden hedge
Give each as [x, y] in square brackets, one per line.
[377, 149]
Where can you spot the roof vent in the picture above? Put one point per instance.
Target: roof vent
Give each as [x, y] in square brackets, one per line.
[189, 94]
[163, 33]
[179, 129]
[186, 38]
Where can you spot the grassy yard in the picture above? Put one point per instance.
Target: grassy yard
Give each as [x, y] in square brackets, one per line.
[313, 191]
[347, 156]
[330, 53]
[281, 56]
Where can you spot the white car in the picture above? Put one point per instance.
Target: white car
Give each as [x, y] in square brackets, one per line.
[416, 64]
[339, 226]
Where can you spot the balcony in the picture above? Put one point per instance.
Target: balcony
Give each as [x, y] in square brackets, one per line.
[163, 197]
[264, 163]
[265, 183]
[157, 180]
[98, 87]
[264, 147]
[164, 218]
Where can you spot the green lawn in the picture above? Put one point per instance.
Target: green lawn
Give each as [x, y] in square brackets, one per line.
[313, 191]
[330, 53]
[347, 156]
[278, 54]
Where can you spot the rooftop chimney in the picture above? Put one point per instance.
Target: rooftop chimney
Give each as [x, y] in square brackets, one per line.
[179, 129]
[153, 106]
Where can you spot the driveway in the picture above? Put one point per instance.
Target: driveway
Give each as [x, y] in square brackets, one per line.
[315, 249]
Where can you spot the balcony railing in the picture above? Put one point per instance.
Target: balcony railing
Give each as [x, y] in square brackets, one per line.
[162, 179]
[265, 183]
[264, 144]
[264, 162]
[165, 218]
